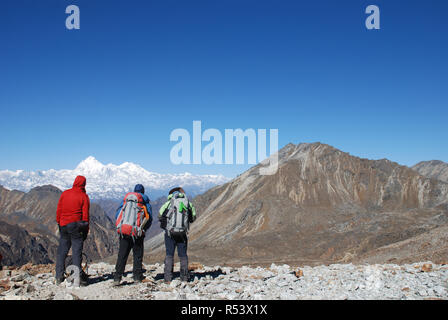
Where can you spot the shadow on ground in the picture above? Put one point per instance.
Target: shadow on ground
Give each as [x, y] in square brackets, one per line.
[110, 276]
[160, 276]
[213, 274]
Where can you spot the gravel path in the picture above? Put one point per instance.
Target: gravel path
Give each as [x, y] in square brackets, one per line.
[339, 281]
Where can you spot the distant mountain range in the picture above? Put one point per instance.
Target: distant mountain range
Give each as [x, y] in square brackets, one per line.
[109, 181]
[322, 206]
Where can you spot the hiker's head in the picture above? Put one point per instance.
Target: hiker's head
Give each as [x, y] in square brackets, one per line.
[80, 182]
[139, 188]
[176, 194]
[178, 191]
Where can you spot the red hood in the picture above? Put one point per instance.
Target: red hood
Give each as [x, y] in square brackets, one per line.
[80, 182]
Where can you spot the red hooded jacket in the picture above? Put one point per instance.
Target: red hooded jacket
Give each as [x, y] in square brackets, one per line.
[74, 204]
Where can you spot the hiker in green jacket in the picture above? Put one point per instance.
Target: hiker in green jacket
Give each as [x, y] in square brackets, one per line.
[175, 217]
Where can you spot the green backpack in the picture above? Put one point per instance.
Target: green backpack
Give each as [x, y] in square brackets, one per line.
[178, 223]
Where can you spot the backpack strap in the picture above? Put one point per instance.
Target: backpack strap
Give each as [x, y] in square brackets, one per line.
[170, 214]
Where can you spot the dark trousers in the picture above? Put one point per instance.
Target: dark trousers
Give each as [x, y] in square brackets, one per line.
[126, 244]
[71, 237]
[171, 243]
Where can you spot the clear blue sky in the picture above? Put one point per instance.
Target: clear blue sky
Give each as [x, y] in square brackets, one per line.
[136, 70]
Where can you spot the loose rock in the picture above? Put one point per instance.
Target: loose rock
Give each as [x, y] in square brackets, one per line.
[337, 281]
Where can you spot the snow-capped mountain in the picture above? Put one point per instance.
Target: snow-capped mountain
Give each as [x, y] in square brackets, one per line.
[110, 181]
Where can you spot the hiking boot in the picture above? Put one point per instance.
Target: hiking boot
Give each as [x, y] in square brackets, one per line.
[83, 282]
[139, 278]
[84, 279]
[117, 280]
[59, 280]
[184, 276]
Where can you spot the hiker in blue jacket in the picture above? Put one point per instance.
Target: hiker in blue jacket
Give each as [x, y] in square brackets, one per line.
[140, 189]
[135, 243]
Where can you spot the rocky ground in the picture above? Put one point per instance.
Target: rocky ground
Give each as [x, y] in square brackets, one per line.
[338, 281]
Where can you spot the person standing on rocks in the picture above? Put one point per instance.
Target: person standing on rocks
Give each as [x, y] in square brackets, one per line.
[72, 217]
[133, 219]
[175, 217]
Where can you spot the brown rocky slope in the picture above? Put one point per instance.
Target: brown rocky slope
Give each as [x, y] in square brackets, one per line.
[34, 212]
[322, 206]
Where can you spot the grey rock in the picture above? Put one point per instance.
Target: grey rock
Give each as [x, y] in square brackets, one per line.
[439, 291]
[422, 292]
[337, 281]
[174, 283]
[19, 277]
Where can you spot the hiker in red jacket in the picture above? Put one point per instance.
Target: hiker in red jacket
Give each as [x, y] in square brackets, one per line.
[72, 216]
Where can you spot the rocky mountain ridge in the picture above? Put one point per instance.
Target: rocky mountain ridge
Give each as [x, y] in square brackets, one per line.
[322, 206]
[434, 169]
